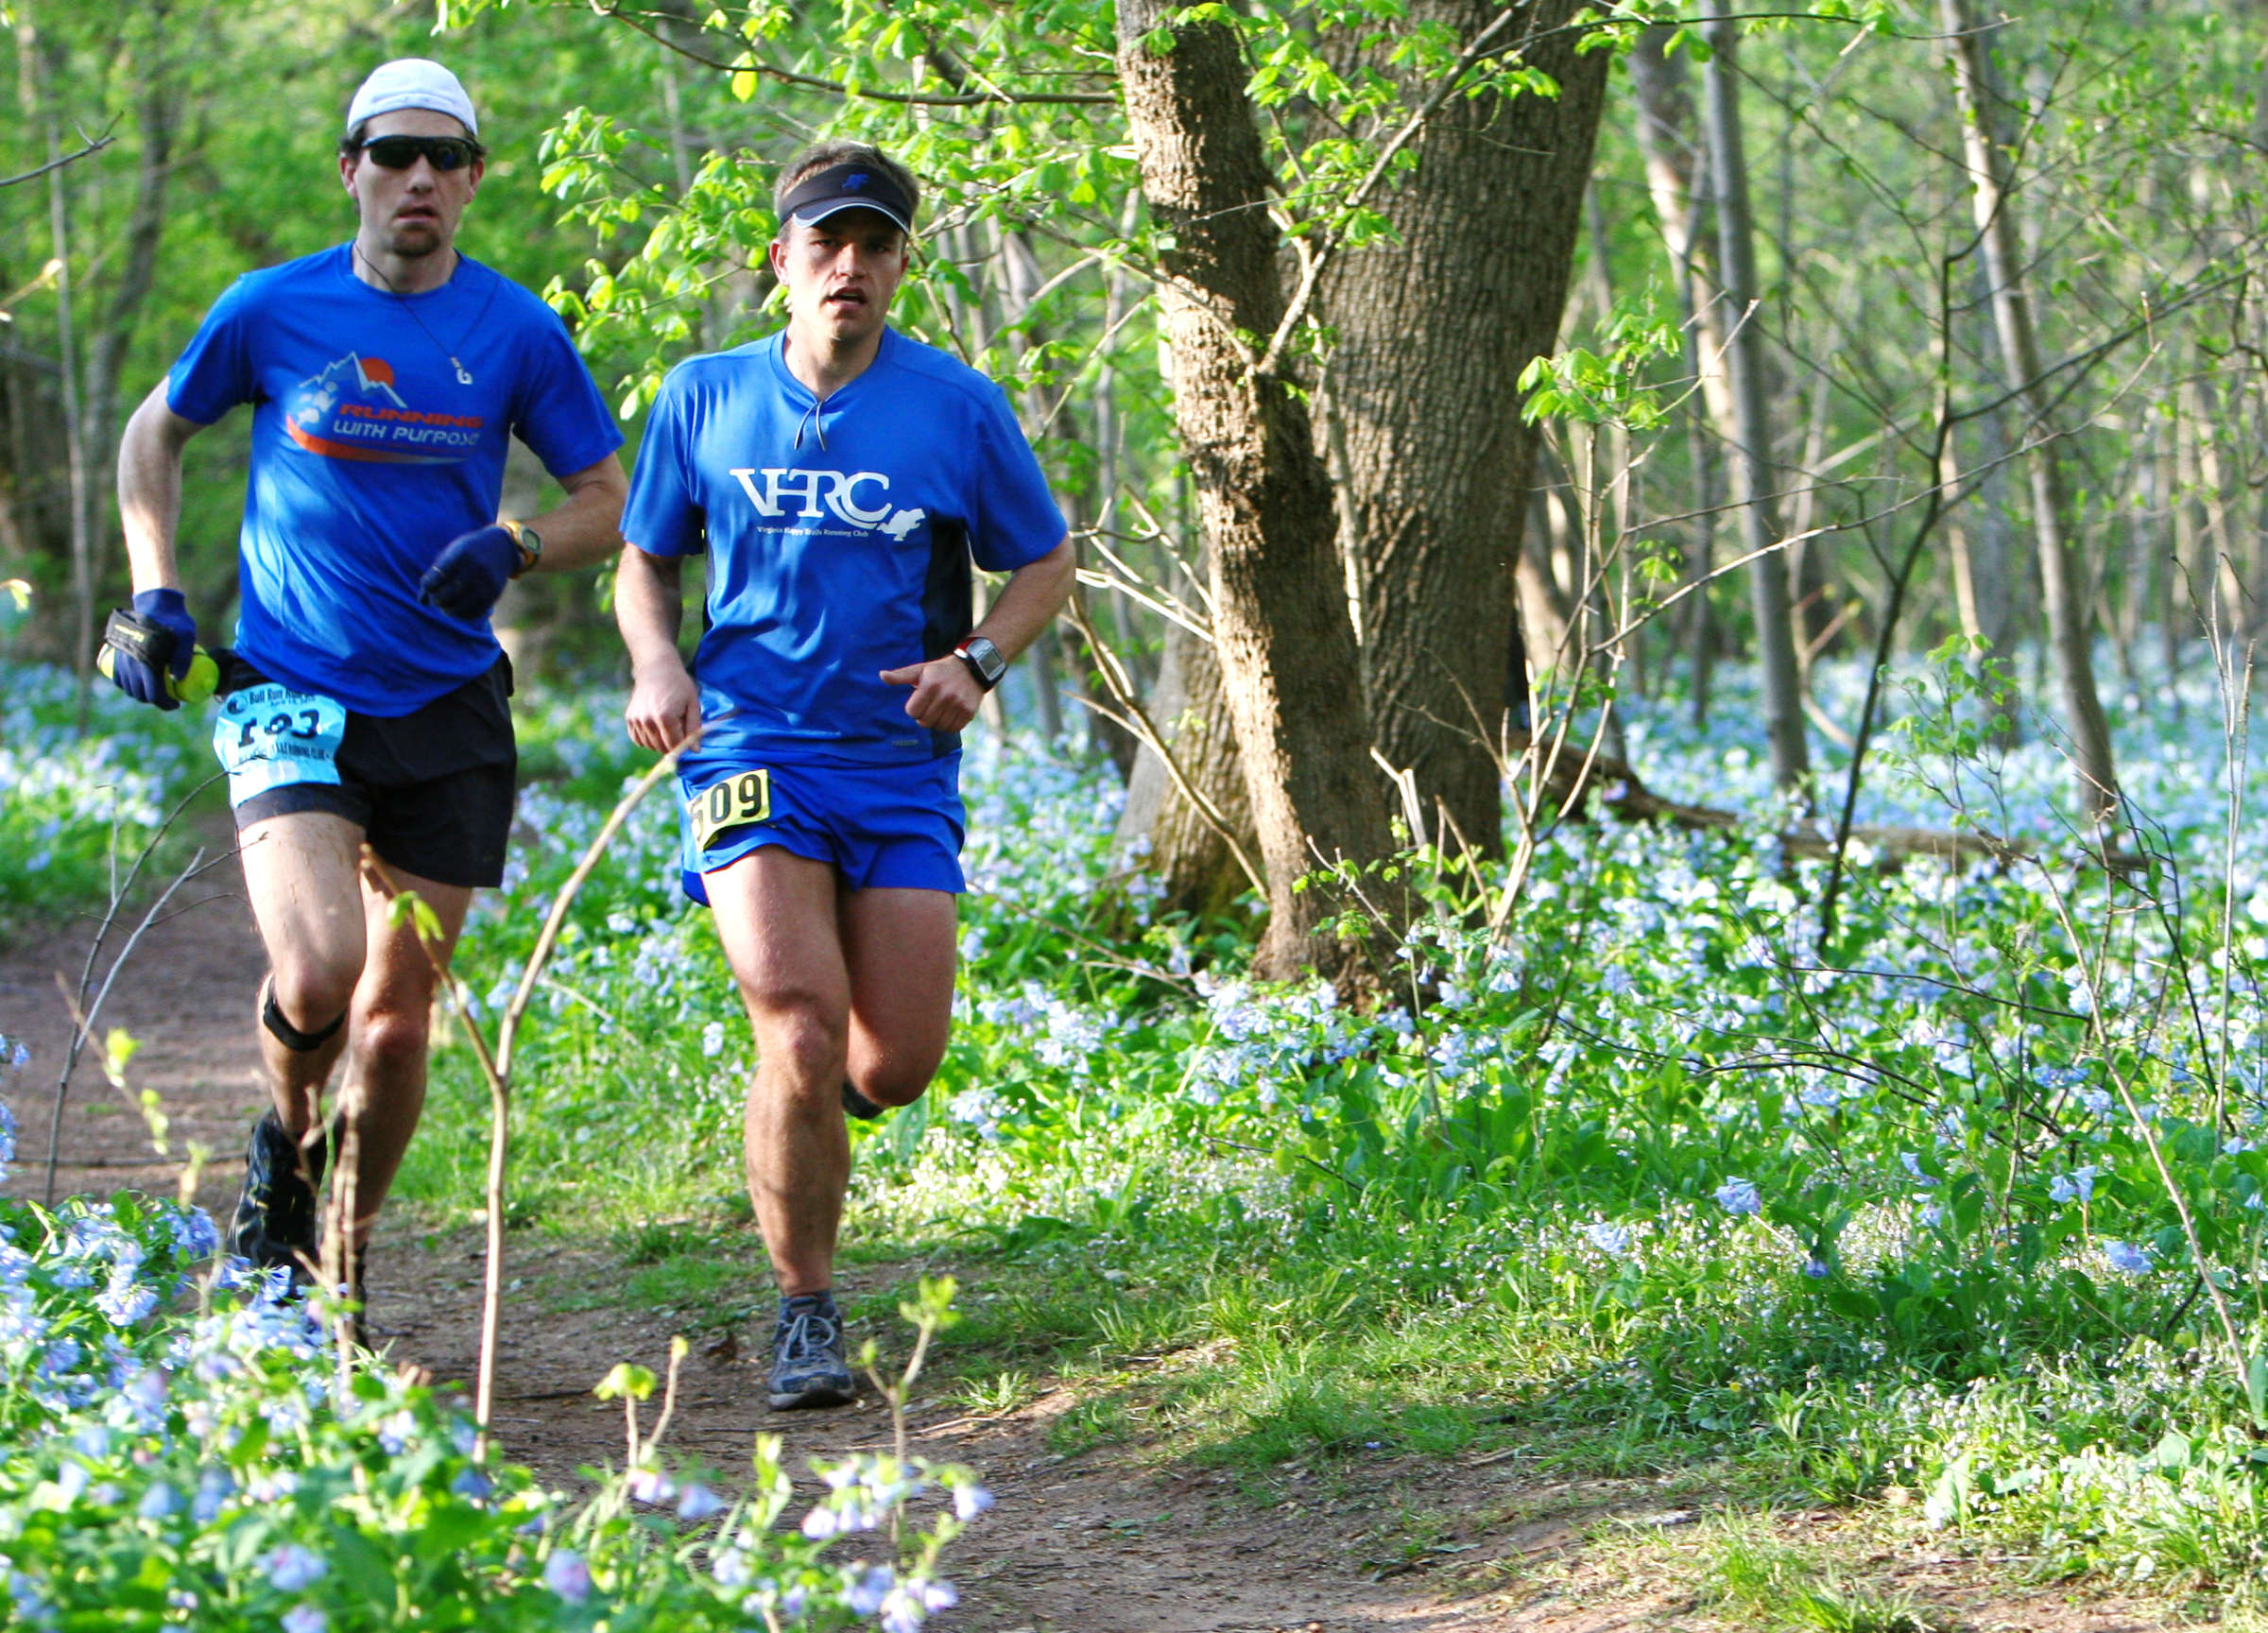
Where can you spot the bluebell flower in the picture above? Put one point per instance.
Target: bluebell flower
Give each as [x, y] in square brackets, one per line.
[908, 1604]
[2076, 1186]
[196, 1238]
[293, 1568]
[32, 1608]
[732, 1568]
[1816, 1268]
[127, 1302]
[566, 1574]
[969, 1501]
[2128, 1259]
[865, 1595]
[304, 1619]
[471, 1484]
[214, 1488]
[71, 1482]
[698, 1502]
[1609, 1238]
[1739, 1197]
[159, 1501]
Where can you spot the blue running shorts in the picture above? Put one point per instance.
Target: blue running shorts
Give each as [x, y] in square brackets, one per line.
[895, 827]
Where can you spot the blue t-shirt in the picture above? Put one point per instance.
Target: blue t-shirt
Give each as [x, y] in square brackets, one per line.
[370, 453]
[838, 536]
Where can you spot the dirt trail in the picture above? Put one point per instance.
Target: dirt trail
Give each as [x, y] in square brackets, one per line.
[1102, 1542]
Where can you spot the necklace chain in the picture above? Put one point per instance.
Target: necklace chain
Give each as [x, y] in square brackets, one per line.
[464, 375]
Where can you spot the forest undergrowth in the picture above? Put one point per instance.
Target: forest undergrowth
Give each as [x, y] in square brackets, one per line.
[1956, 1212]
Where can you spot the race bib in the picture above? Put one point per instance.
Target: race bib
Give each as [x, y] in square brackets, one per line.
[268, 736]
[735, 802]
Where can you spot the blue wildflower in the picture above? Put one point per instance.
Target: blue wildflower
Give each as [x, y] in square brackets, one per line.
[293, 1568]
[2128, 1259]
[1739, 1197]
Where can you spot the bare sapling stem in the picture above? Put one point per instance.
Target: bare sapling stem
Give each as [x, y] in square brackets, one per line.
[83, 1027]
[496, 1068]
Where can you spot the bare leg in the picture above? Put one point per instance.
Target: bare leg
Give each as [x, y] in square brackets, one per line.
[837, 986]
[383, 1091]
[899, 946]
[301, 874]
[776, 915]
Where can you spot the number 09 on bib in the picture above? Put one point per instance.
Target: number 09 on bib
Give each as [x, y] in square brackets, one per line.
[735, 802]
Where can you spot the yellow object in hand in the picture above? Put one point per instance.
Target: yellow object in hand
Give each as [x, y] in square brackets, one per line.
[203, 680]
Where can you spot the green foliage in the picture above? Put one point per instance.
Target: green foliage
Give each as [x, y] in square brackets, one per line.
[184, 1448]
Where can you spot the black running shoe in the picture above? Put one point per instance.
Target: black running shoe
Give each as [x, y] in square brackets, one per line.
[278, 1217]
[808, 1368]
[857, 1105]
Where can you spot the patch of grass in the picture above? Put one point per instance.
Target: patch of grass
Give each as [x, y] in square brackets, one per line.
[1099, 1420]
[997, 1394]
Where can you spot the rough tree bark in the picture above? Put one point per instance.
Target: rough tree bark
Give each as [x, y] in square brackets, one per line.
[1433, 327]
[1987, 152]
[1286, 644]
[1194, 866]
[1752, 482]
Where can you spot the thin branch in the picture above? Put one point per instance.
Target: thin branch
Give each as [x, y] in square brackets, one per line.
[835, 87]
[95, 145]
[1136, 720]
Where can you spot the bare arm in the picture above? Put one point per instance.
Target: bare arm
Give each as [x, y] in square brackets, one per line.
[1035, 592]
[649, 604]
[150, 490]
[585, 527]
[946, 695]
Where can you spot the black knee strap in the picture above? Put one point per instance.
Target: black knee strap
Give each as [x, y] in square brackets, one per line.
[291, 1036]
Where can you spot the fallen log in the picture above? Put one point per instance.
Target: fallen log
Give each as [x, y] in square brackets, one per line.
[1571, 783]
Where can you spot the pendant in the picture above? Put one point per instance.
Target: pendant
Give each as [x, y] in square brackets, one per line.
[463, 376]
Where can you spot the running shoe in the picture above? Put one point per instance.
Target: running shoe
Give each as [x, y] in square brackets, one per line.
[808, 1364]
[277, 1216]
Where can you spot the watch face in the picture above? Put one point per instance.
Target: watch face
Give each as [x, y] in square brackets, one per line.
[989, 659]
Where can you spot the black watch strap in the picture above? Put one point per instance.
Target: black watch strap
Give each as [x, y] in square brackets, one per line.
[984, 660]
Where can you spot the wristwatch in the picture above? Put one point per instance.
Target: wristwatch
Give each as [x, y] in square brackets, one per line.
[527, 538]
[984, 661]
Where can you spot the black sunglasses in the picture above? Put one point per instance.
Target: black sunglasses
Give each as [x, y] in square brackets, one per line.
[444, 153]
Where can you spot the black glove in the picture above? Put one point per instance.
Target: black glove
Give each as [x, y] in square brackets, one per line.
[158, 640]
[469, 573]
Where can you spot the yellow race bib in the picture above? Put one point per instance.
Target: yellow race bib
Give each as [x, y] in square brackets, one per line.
[735, 802]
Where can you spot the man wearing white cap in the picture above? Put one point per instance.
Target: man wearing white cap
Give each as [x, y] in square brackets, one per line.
[839, 476]
[365, 699]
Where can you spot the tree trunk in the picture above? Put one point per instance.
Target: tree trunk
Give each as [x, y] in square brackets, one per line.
[1434, 326]
[1287, 652]
[1752, 480]
[107, 347]
[1193, 862]
[1985, 146]
[39, 109]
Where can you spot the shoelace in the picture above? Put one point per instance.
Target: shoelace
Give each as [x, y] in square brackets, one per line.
[801, 1348]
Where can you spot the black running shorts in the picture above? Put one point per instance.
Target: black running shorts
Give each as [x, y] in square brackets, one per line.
[432, 790]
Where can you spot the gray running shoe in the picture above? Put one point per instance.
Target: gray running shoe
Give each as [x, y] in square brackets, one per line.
[277, 1216]
[808, 1368]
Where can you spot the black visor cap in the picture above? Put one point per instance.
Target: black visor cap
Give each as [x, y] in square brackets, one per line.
[843, 187]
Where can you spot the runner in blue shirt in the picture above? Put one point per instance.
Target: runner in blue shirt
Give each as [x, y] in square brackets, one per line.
[840, 477]
[366, 695]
